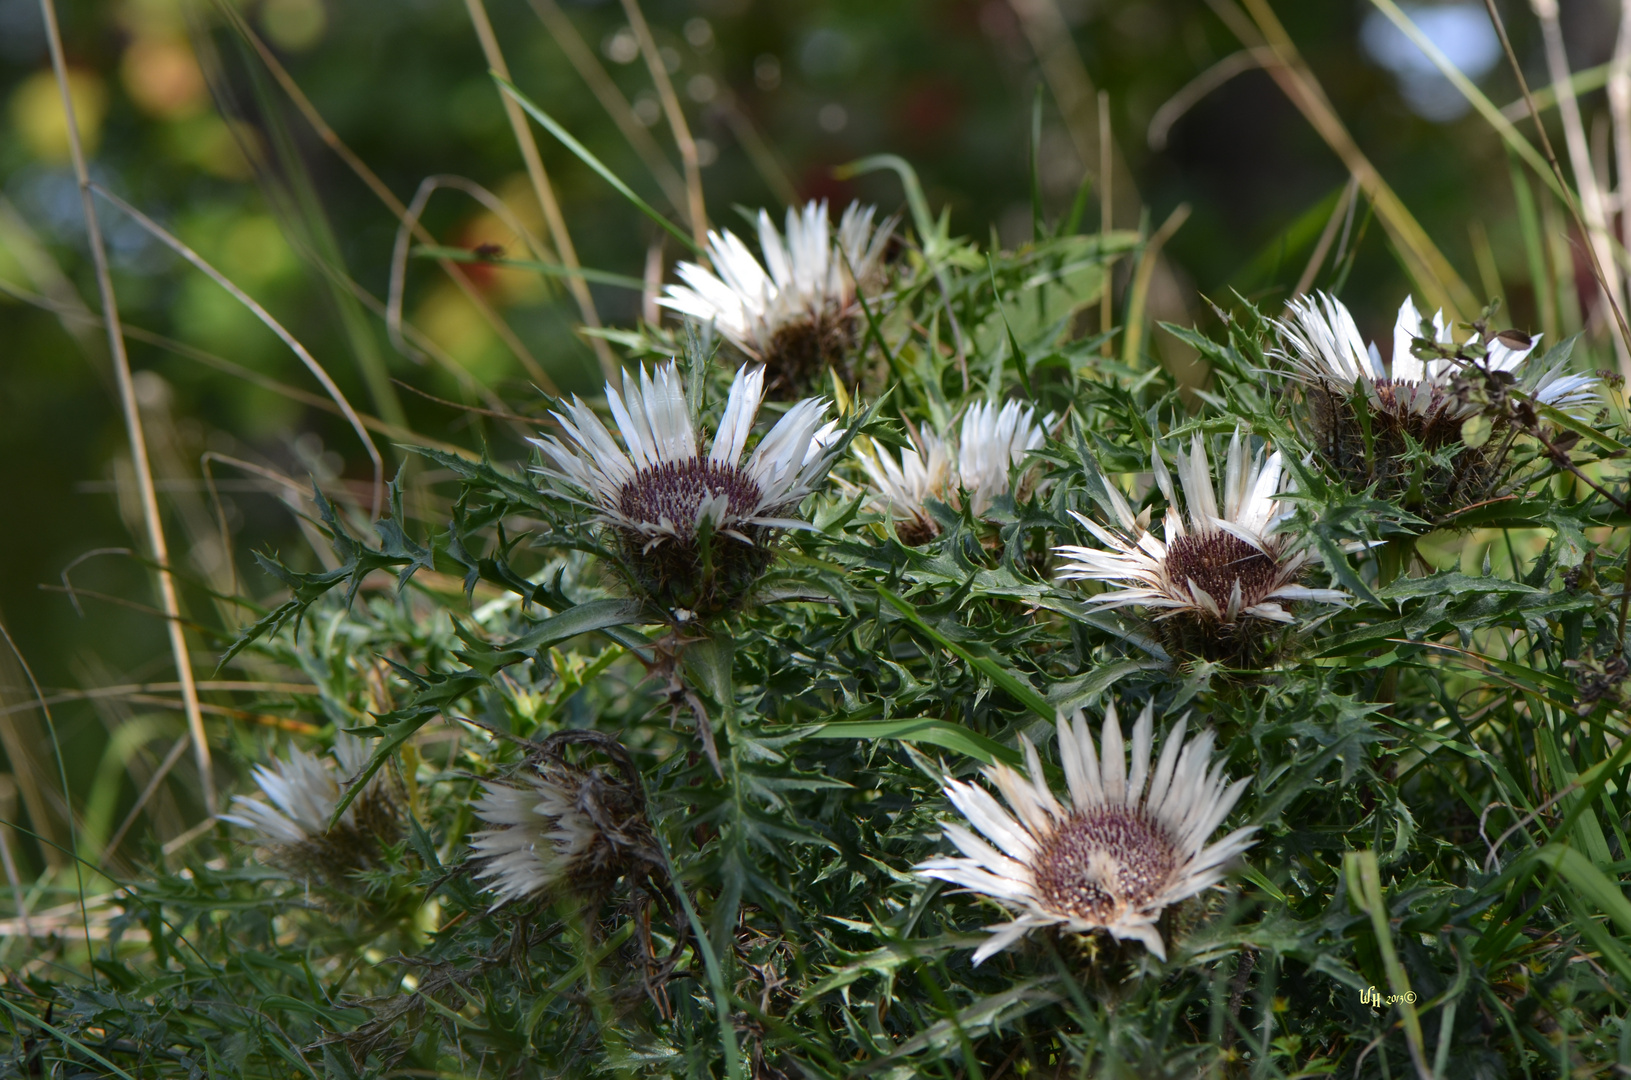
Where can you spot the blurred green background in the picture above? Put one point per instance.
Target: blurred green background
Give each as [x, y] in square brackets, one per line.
[188, 122]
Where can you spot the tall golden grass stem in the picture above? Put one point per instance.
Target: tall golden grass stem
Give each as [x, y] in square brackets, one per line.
[696, 207]
[1258, 26]
[653, 278]
[1339, 214]
[1557, 168]
[593, 73]
[133, 421]
[1138, 294]
[541, 188]
[1592, 208]
[1107, 209]
[1619, 107]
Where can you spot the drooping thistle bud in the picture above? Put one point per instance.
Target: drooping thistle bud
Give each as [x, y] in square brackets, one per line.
[562, 830]
[299, 794]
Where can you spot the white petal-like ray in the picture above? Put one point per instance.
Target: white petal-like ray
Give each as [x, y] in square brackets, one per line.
[1322, 345]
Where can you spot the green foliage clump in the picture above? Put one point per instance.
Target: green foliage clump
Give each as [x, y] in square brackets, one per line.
[730, 805]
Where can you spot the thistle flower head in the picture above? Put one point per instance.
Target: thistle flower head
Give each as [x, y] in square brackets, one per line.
[694, 529]
[1126, 844]
[796, 312]
[974, 470]
[1367, 420]
[1211, 576]
[564, 829]
[298, 797]
[1323, 346]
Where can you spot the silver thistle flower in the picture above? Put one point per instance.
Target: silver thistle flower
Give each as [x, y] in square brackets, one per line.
[664, 498]
[298, 797]
[1323, 346]
[564, 830]
[1372, 425]
[796, 312]
[1216, 571]
[1112, 858]
[974, 470]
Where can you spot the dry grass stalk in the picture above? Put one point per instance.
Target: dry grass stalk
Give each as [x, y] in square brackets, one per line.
[541, 187]
[1429, 269]
[593, 73]
[317, 370]
[333, 141]
[1592, 197]
[133, 421]
[697, 210]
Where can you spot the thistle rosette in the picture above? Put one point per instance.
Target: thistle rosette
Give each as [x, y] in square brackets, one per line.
[974, 470]
[1399, 427]
[298, 795]
[796, 312]
[1216, 579]
[694, 531]
[1126, 846]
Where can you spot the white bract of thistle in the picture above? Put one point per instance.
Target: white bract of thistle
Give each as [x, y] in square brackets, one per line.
[979, 466]
[540, 832]
[1219, 564]
[659, 485]
[1112, 858]
[300, 793]
[1323, 346]
[811, 275]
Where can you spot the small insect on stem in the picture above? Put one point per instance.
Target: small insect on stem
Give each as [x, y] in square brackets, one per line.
[488, 252]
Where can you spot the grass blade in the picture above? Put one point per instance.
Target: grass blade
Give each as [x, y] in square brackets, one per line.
[582, 153]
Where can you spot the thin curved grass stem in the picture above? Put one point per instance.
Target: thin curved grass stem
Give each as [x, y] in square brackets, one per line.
[384, 194]
[411, 226]
[697, 209]
[593, 73]
[162, 234]
[133, 420]
[1591, 196]
[541, 187]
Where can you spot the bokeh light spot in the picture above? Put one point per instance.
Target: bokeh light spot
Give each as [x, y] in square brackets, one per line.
[38, 118]
[294, 24]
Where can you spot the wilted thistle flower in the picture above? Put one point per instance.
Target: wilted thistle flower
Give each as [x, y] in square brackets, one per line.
[797, 312]
[1367, 420]
[300, 794]
[564, 830]
[974, 471]
[694, 531]
[1113, 858]
[1218, 580]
